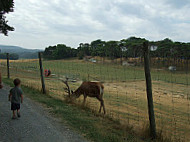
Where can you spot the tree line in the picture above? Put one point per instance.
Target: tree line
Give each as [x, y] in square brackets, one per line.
[12, 56]
[130, 47]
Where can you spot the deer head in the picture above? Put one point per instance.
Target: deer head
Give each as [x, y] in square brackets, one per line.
[75, 94]
[67, 88]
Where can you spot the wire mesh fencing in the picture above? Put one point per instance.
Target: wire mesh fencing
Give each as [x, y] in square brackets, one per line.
[26, 70]
[124, 87]
[170, 73]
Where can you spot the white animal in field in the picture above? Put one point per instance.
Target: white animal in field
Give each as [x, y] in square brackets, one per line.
[172, 68]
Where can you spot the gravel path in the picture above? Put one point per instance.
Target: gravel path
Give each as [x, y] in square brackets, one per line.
[35, 124]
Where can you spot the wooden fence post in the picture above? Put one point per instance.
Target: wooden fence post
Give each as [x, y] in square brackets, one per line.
[149, 90]
[8, 71]
[1, 86]
[41, 73]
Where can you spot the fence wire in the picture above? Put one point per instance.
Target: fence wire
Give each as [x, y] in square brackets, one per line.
[125, 91]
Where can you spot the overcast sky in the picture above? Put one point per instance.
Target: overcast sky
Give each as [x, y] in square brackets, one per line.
[40, 23]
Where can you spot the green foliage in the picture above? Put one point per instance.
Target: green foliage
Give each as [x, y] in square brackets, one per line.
[60, 51]
[12, 56]
[6, 6]
[80, 55]
[98, 48]
[28, 55]
[114, 49]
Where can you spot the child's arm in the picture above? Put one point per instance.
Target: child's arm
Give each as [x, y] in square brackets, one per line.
[21, 98]
[10, 95]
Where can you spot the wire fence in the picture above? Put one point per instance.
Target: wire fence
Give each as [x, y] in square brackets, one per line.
[125, 88]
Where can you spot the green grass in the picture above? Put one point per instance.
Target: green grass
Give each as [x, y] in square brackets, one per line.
[123, 104]
[93, 126]
[103, 72]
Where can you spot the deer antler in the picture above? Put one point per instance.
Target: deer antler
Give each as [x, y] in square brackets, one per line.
[67, 90]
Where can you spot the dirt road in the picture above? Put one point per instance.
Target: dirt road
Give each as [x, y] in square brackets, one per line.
[35, 124]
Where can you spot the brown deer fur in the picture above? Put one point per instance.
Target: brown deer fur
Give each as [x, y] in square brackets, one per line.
[91, 89]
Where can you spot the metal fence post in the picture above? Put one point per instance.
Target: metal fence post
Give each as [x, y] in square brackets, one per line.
[41, 73]
[149, 90]
[8, 71]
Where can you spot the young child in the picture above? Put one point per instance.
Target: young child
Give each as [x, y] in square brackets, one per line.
[16, 97]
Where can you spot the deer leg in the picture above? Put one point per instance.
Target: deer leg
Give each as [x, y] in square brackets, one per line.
[84, 101]
[99, 99]
[101, 104]
[100, 107]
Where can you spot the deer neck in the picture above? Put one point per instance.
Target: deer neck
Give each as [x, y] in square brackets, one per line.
[78, 92]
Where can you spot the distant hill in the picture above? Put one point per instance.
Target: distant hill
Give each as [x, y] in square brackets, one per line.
[22, 52]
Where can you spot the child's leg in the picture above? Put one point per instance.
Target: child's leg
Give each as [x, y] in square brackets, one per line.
[14, 110]
[14, 113]
[18, 112]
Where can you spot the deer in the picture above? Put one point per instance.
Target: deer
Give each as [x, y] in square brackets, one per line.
[88, 89]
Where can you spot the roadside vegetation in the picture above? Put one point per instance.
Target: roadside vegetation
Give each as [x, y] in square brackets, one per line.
[93, 126]
[124, 94]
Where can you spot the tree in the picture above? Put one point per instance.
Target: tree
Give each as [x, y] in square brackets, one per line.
[167, 51]
[98, 48]
[112, 49]
[48, 53]
[84, 48]
[6, 6]
[60, 51]
[12, 56]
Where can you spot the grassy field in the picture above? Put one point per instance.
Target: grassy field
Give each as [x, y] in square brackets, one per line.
[125, 92]
[96, 129]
